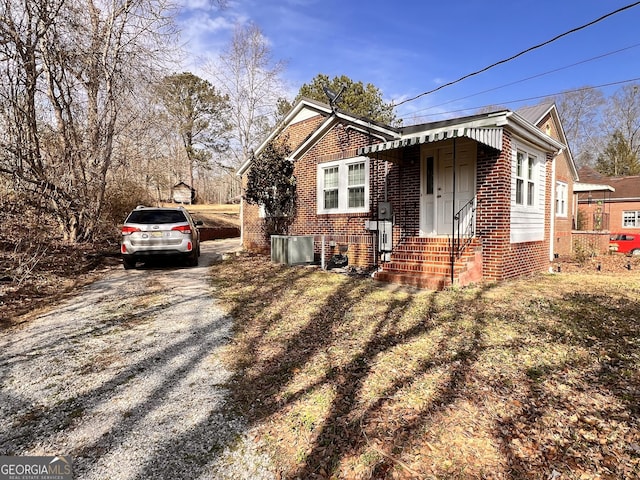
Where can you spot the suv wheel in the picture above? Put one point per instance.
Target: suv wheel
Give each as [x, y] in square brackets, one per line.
[192, 260]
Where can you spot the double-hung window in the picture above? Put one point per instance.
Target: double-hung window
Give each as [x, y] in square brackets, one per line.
[561, 199]
[356, 184]
[528, 190]
[631, 219]
[343, 186]
[330, 188]
[525, 178]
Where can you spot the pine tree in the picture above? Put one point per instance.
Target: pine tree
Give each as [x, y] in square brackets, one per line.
[618, 159]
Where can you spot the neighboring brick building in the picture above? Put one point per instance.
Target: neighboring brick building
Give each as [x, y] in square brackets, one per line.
[616, 208]
[460, 200]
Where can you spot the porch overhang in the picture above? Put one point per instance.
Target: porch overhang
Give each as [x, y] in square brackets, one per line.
[491, 136]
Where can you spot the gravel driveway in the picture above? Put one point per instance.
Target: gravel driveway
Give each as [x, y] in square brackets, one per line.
[126, 378]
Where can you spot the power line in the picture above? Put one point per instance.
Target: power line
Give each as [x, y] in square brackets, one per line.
[532, 98]
[557, 37]
[528, 78]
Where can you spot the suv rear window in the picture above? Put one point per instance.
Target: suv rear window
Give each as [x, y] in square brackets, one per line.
[156, 216]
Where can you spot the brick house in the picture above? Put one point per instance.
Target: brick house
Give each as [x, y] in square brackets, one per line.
[614, 200]
[454, 201]
[545, 117]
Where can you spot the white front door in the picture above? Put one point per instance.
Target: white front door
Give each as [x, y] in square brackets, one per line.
[437, 188]
[463, 190]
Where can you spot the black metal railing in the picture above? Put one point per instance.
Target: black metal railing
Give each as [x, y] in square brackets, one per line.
[464, 226]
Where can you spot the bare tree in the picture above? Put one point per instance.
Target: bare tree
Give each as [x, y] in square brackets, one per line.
[622, 117]
[246, 72]
[71, 66]
[580, 111]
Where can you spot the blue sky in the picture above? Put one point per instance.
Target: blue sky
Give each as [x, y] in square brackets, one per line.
[406, 48]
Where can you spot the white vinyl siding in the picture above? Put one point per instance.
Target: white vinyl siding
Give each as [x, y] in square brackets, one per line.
[343, 186]
[528, 183]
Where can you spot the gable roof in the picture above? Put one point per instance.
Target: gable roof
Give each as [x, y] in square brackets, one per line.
[306, 108]
[536, 113]
[484, 128]
[590, 175]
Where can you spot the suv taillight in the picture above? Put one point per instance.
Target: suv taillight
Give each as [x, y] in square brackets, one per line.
[129, 230]
[186, 229]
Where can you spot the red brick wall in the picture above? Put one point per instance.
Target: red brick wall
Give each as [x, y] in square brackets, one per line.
[612, 210]
[590, 242]
[493, 214]
[563, 226]
[615, 215]
[339, 229]
[404, 193]
[253, 238]
[501, 258]
[528, 258]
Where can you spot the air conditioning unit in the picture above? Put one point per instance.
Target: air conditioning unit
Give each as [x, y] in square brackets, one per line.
[292, 250]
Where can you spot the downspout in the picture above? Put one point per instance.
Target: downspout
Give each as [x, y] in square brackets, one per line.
[453, 218]
[552, 233]
[376, 241]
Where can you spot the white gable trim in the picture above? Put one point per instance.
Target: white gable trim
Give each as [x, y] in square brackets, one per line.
[302, 110]
[298, 114]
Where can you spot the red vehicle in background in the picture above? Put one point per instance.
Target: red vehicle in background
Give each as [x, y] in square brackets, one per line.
[628, 243]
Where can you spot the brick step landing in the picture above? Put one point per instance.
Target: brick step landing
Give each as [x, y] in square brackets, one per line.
[426, 263]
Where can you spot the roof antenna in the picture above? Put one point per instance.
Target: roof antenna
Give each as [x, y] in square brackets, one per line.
[333, 97]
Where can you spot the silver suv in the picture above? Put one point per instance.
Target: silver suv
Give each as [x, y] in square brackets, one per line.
[156, 231]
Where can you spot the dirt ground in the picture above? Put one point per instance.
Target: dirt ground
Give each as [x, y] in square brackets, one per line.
[126, 378]
[611, 263]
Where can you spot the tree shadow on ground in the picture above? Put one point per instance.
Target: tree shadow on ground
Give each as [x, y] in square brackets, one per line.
[521, 382]
[262, 384]
[581, 415]
[147, 386]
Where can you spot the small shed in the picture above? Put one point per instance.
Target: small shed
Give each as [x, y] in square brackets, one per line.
[183, 193]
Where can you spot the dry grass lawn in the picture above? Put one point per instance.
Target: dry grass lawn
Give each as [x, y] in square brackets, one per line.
[346, 378]
[214, 215]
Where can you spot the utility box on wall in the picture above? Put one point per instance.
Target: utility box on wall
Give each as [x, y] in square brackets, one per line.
[385, 211]
[292, 250]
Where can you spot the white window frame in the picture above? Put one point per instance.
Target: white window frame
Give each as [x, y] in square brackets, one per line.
[562, 198]
[526, 174]
[528, 210]
[343, 186]
[636, 220]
